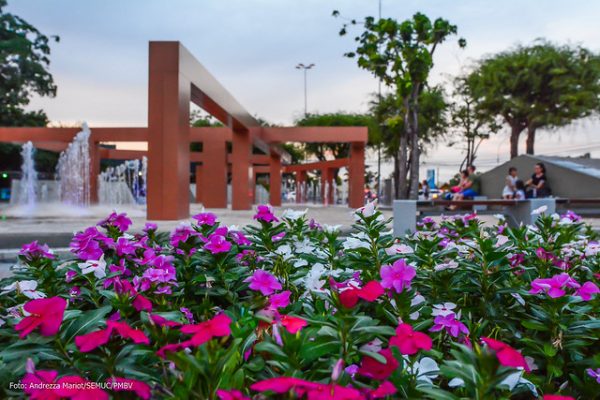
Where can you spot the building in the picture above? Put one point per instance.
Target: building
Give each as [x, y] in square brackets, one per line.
[572, 177]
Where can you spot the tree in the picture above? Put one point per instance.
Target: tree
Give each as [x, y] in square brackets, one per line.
[469, 121]
[24, 62]
[537, 86]
[432, 121]
[341, 149]
[400, 54]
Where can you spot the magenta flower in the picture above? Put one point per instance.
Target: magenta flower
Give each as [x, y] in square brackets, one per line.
[264, 212]
[449, 322]
[125, 247]
[239, 238]
[278, 237]
[86, 244]
[279, 300]
[217, 244]
[35, 250]
[264, 282]
[397, 276]
[119, 221]
[555, 286]
[181, 234]
[587, 291]
[208, 219]
[150, 227]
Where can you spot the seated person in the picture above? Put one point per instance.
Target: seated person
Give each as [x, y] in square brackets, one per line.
[509, 184]
[519, 193]
[538, 186]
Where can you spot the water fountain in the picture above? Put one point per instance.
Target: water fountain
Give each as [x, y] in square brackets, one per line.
[73, 170]
[28, 183]
[124, 184]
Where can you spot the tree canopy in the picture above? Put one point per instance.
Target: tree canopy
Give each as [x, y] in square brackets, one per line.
[400, 55]
[543, 85]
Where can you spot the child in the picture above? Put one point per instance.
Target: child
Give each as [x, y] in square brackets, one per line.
[519, 190]
[510, 184]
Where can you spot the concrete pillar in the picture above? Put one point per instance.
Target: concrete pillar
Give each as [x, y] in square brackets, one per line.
[522, 211]
[241, 171]
[214, 187]
[404, 217]
[275, 180]
[168, 134]
[356, 175]
[95, 159]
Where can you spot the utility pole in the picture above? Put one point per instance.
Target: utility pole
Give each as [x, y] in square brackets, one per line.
[304, 69]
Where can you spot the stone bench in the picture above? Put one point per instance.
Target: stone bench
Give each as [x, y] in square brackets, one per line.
[405, 212]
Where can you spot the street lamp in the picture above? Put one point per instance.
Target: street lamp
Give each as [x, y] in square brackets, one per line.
[305, 68]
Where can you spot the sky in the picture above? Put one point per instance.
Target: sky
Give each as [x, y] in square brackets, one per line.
[252, 47]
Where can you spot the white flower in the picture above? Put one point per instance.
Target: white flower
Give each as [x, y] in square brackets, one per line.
[443, 309]
[331, 228]
[592, 249]
[368, 210]
[399, 249]
[515, 379]
[447, 265]
[539, 210]
[418, 299]
[501, 217]
[294, 214]
[285, 251]
[425, 369]
[26, 288]
[456, 382]
[355, 243]
[300, 263]
[2, 322]
[502, 240]
[373, 346]
[304, 247]
[98, 267]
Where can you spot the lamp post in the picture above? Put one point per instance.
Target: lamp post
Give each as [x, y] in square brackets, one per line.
[305, 68]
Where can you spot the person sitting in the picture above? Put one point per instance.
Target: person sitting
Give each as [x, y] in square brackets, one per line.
[425, 189]
[471, 187]
[519, 193]
[510, 184]
[538, 186]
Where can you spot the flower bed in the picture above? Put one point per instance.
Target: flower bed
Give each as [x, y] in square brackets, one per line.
[288, 308]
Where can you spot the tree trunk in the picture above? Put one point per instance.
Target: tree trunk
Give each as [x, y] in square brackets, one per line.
[530, 139]
[515, 132]
[401, 181]
[415, 150]
[396, 175]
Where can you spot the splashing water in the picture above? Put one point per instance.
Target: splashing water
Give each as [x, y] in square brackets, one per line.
[28, 181]
[124, 184]
[73, 170]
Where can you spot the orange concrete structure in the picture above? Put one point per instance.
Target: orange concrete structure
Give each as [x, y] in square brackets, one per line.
[175, 80]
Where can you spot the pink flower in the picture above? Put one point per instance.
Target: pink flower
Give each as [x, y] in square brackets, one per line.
[449, 322]
[217, 244]
[282, 384]
[162, 321]
[205, 331]
[555, 286]
[34, 250]
[373, 369]
[142, 303]
[208, 219]
[557, 397]
[181, 234]
[34, 385]
[409, 341]
[141, 389]
[125, 247]
[292, 324]
[59, 389]
[264, 282]
[587, 291]
[264, 213]
[278, 237]
[397, 276]
[88, 342]
[279, 300]
[231, 395]
[370, 292]
[47, 314]
[384, 390]
[507, 356]
[93, 340]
